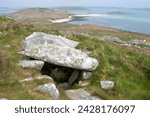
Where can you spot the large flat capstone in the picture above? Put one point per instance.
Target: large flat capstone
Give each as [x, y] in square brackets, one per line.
[37, 38]
[57, 50]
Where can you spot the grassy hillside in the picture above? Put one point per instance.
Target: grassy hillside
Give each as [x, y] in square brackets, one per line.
[128, 67]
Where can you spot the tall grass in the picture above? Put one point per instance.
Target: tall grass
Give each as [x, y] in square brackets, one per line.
[4, 64]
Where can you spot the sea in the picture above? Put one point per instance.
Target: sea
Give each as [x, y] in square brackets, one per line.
[128, 19]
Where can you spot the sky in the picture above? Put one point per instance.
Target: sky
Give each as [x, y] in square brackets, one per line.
[49, 3]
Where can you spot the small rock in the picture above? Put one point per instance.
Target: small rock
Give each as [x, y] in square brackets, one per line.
[125, 45]
[44, 77]
[139, 42]
[84, 83]
[64, 85]
[37, 78]
[114, 39]
[87, 52]
[107, 84]
[74, 76]
[80, 94]
[31, 64]
[0, 32]
[58, 75]
[86, 75]
[7, 46]
[26, 80]
[21, 53]
[49, 88]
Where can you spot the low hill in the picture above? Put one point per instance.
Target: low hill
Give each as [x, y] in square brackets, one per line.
[39, 13]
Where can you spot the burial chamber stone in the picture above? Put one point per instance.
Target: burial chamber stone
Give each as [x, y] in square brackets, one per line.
[57, 50]
[37, 38]
[31, 64]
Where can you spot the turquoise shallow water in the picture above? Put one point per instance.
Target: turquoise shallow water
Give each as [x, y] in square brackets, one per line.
[135, 20]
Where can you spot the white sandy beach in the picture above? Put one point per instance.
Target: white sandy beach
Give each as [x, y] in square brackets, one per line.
[70, 18]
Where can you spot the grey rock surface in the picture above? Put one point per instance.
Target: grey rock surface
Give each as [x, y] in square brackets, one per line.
[49, 88]
[36, 64]
[86, 75]
[84, 83]
[58, 54]
[80, 94]
[107, 84]
[65, 85]
[139, 42]
[37, 38]
[74, 76]
[7, 46]
[114, 39]
[41, 77]
[58, 75]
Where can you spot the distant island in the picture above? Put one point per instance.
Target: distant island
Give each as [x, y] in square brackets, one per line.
[39, 13]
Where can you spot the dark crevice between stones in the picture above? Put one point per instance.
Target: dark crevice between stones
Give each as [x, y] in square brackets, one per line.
[62, 75]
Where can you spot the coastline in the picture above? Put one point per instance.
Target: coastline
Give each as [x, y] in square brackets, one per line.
[77, 17]
[61, 16]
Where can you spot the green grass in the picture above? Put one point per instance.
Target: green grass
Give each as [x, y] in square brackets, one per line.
[129, 69]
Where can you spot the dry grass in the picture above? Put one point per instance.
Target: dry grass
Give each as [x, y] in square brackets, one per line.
[4, 64]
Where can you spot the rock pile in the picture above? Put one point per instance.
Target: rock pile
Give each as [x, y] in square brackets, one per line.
[58, 58]
[139, 42]
[80, 94]
[49, 88]
[107, 84]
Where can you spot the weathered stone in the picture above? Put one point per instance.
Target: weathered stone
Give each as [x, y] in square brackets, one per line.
[62, 56]
[64, 85]
[58, 75]
[107, 84]
[31, 64]
[139, 42]
[80, 94]
[41, 77]
[39, 38]
[74, 76]
[86, 52]
[7, 46]
[57, 53]
[44, 77]
[114, 39]
[26, 79]
[49, 88]
[84, 83]
[86, 75]
[47, 69]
